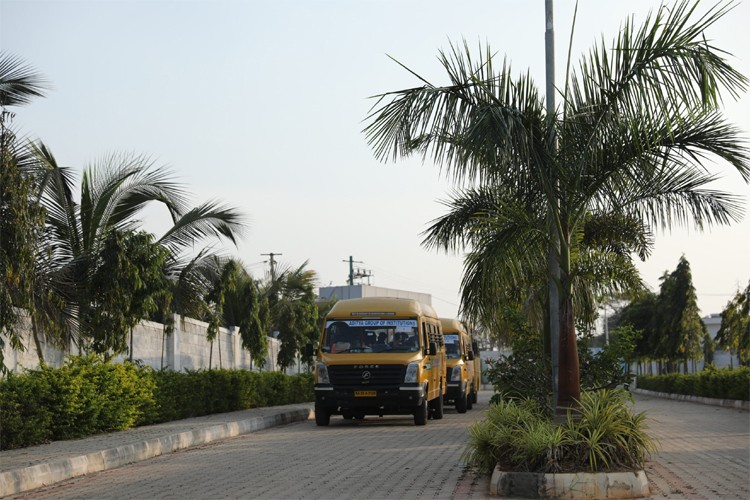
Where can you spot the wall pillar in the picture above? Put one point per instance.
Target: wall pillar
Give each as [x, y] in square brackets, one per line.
[173, 354]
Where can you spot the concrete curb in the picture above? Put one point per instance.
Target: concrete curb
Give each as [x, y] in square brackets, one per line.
[574, 485]
[727, 403]
[36, 476]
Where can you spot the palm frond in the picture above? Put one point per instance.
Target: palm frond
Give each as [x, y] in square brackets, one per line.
[208, 220]
[481, 119]
[19, 82]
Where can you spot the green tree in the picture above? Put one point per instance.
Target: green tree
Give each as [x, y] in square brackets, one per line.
[113, 192]
[639, 315]
[237, 303]
[293, 311]
[734, 332]
[637, 121]
[126, 285]
[502, 272]
[679, 327]
[21, 215]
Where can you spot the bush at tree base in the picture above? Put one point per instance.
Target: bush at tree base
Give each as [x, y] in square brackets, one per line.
[602, 434]
[525, 373]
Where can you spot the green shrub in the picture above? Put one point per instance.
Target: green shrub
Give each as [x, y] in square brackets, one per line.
[88, 395]
[711, 383]
[602, 434]
[605, 433]
[24, 417]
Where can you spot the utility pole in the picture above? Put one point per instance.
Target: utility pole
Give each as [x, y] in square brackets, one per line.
[553, 264]
[272, 263]
[351, 262]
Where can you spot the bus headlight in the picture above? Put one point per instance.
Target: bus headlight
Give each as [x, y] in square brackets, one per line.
[322, 370]
[456, 374]
[411, 373]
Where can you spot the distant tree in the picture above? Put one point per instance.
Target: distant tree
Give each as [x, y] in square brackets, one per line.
[734, 333]
[294, 312]
[679, 327]
[639, 315]
[241, 308]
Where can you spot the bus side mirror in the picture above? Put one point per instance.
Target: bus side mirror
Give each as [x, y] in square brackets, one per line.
[470, 356]
[309, 351]
[433, 348]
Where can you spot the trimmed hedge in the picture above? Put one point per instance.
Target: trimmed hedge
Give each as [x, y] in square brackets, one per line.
[710, 383]
[88, 396]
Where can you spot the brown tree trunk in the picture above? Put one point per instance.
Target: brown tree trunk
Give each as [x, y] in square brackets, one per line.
[569, 382]
[37, 342]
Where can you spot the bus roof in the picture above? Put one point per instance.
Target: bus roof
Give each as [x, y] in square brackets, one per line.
[451, 325]
[388, 306]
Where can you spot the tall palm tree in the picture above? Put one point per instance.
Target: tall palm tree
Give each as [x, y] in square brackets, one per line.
[638, 122]
[113, 192]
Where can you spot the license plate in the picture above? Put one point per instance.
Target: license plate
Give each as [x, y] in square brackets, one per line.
[365, 394]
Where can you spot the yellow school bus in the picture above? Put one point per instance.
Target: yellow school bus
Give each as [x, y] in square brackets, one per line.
[380, 356]
[463, 371]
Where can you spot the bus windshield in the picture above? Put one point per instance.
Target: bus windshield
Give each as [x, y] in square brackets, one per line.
[371, 335]
[452, 347]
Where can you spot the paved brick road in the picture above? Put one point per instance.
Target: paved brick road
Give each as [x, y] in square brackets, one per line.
[704, 450]
[386, 457]
[705, 454]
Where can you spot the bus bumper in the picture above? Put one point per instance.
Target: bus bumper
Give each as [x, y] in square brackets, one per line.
[401, 400]
[454, 391]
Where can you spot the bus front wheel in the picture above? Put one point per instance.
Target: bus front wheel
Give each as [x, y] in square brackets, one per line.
[421, 413]
[322, 416]
[461, 403]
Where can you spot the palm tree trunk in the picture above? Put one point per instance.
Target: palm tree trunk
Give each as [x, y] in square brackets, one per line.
[37, 343]
[569, 376]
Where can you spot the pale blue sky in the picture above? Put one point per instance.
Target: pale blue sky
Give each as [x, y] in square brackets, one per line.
[260, 104]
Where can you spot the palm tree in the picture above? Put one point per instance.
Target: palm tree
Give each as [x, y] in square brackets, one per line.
[293, 311]
[113, 192]
[21, 216]
[234, 300]
[637, 124]
[505, 267]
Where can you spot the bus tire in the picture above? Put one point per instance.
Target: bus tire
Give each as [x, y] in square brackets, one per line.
[469, 400]
[437, 407]
[421, 414]
[461, 403]
[322, 416]
[475, 396]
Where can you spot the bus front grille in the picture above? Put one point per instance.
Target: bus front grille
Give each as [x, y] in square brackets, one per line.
[364, 374]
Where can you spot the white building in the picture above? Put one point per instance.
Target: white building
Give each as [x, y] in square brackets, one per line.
[362, 291]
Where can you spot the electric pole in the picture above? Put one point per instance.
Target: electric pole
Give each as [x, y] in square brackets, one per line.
[351, 262]
[272, 263]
